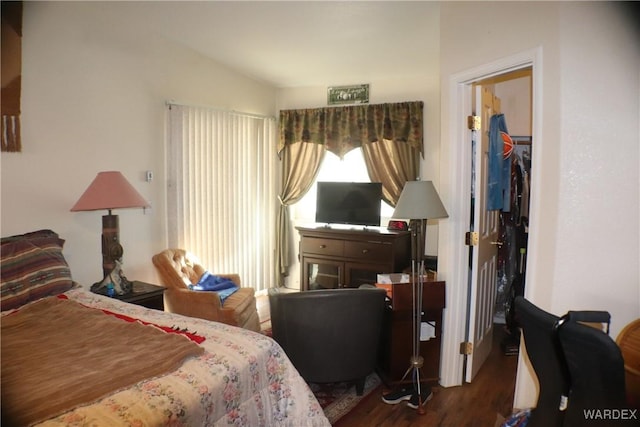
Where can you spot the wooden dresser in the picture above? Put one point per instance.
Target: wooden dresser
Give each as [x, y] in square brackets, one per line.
[337, 257]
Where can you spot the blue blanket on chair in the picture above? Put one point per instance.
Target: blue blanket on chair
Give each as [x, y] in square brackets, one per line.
[222, 285]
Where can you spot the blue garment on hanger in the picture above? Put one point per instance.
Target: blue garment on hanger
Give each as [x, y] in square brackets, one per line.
[498, 181]
[507, 164]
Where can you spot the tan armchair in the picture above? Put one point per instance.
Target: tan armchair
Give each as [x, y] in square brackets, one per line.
[629, 342]
[178, 268]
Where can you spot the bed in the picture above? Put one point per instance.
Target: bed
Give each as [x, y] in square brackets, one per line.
[224, 376]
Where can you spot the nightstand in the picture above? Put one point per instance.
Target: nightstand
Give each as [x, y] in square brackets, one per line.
[396, 334]
[145, 294]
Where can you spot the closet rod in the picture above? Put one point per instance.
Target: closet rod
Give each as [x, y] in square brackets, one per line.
[521, 140]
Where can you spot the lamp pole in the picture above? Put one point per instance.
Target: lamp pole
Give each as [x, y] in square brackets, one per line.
[418, 228]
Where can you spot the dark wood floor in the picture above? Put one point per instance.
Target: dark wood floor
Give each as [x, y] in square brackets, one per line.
[477, 404]
[471, 405]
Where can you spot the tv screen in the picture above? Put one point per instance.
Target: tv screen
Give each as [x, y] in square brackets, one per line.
[356, 203]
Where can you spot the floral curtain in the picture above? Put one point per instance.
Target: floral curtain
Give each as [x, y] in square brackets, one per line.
[300, 166]
[393, 164]
[341, 129]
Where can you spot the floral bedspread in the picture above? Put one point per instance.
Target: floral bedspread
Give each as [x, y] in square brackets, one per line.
[243, 379]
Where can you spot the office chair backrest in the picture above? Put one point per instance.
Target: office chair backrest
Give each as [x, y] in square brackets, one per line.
[545, 356]
[596, 371]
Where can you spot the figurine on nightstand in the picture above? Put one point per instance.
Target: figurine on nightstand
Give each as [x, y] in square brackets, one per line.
[118, 281]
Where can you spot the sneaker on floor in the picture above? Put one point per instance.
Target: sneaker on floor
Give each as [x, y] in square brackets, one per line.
[413, 401]
[397, 396]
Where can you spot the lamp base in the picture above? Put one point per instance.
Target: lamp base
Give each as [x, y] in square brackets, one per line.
[120, 285]
[111, 248]
[418, 396]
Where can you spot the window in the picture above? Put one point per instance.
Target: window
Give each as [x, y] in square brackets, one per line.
[350, 169]
[221, 193]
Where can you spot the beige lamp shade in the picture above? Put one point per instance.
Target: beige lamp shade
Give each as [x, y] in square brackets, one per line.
[109, 190]
[419, 200]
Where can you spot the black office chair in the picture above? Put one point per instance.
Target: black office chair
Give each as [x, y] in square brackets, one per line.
[596, 371]
[547, 359]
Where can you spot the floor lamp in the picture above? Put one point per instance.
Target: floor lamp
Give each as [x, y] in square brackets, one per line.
[418, 202]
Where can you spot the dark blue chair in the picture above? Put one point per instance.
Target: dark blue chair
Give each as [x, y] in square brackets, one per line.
[330, 335]
[597, 395]
[547, 359]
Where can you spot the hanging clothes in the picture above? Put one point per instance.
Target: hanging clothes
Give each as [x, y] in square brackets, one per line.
[499, 173]
[525, 164]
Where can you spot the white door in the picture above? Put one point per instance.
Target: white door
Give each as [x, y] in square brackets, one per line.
[484, 255]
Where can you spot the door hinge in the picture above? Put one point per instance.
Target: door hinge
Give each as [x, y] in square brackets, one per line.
[474, 122]
[471, 238]
[466, 348]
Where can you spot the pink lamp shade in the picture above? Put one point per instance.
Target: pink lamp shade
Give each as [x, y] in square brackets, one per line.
[109, 190]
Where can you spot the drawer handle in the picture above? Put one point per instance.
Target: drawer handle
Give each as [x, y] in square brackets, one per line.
[365, 251]
[323, 246]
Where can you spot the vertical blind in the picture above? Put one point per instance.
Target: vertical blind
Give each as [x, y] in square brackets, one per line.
[222, 198]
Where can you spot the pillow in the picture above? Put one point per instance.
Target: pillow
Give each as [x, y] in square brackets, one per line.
[36, 237]
[32, 266]
[222, 285]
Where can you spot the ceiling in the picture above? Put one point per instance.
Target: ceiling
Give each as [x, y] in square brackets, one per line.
[297, 43]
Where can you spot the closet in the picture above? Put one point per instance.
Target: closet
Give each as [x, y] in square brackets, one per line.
[515, 95]
[514, 232]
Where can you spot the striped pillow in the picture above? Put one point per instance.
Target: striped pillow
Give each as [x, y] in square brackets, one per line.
[32, 266]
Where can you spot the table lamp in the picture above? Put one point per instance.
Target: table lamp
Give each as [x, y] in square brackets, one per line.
[110, 190]
[418, 202]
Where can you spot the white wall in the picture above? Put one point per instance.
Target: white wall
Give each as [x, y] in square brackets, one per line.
[585, 251]
[598, 248]
[93, 99]
[515, 102]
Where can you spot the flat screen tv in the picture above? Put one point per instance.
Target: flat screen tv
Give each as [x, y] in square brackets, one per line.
[356, 203]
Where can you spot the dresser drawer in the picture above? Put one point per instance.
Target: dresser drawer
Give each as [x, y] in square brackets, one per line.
[320, 246]
[368, 251]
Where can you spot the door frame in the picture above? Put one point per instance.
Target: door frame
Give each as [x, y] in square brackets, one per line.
[453, 251]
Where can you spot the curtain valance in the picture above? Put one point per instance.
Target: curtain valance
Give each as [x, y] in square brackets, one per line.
[341, 129]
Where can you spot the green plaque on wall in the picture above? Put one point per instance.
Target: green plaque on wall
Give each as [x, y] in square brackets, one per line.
[357, 94]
